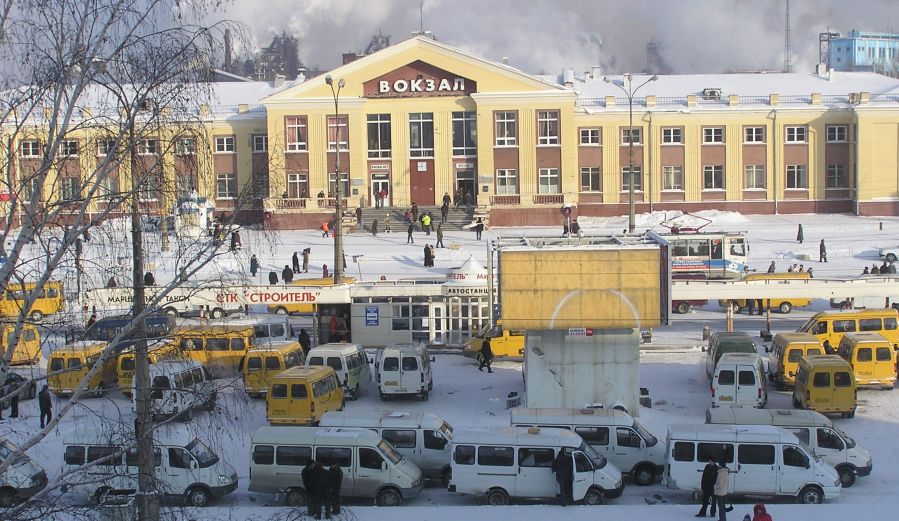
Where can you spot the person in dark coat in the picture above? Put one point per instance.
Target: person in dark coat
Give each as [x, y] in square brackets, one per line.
[149, 279]
[359, 216]
[295, 261]
[707, 485]
[446, 199]
[45, 405]
[308, 486]
[409, 231]
[429, 261]
[575, 227]
[457, 198]
[866, 271]
[479, 228]
[374, 227]
[325, 271]
[444, 212]
[287, 274]
[14, 405]
[759, 304]
[254, 265]
[91, 321]
[822, 252]
[799, 236]
[440, 236]
[336, 481]
[467, 200]
[875, 270]
[486, 356]
[414, 212]
[304, 340]
[884, 268]
[771, 268]
[272, 277]
[321, 488]
[564, 471]
[235, 241]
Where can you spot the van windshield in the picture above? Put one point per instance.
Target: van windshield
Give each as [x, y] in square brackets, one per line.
[647, 437]
[204, 455]
[850, 443]
[389, 452]
[808, 325]
[598, 460]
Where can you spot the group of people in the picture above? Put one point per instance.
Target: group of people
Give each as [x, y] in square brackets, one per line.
[714, 483]
[289, 271]
[44, 402]
[322, 488]
[887, 268]
[430, 255]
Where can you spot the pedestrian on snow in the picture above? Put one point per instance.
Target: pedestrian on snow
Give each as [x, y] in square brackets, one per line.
[440, 236]
[14, 405]
[321, 486]
[325, 271]
[387, 228]
[750, 306]
[304, 340]
[822, 252]
[486, 356]
[287, 274]
[414, 211]
[866, 271]
[91, 321]
[479, 228]
[111, 283]
[707, 485]
[801, 268]
[217, 232]
[446, 199]
[810, 274]
[273, 277]
[759, 513]
[429, 261]
[722, 482]
[336, 476]
[564, 471]
[45, 405]
[306, 253]
[426, 223]
[771, 268]
[359, 216]
[799, 236]
[444, 212]
[409, 231]
[149, 279]
[407, 216]
[326, 230]
[374, 227]
[457, 198]
[791, 269]
[433, 254]
[235, 240]
[254, 265]
[308, 486]
[295, 260]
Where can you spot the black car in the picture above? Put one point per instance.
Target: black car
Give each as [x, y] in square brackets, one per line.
[16, 381]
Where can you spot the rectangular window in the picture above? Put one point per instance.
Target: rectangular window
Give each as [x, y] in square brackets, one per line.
[547, 127]
[533, 457]
[672, 136]
[338, 133]
[795, 134]
[297, 186]
[465, 134]
[401, 439]
[706, 452]
[506, 129]
[754, 177]
[224, 145]
[343, 456]
[590, 179]
[30, 149]
[837, 133]
[548, 181]
[626, 179]
[836, 176]
[796, 176]
[506, 181]
[591, 136]
[29, 188]
[683, 451]
[713, 177]
[594, 435]
[105, 147]
[631, 135]
[74, 455]
[68, 148]
[713, 135]
[496, 456]
[293, 456]
[260, 143]
[463, 455]
[379, 140]
[69, 188]
[672, 178]
[149, 147]
[295, 126]
[105, 453]
[421, 134]
[754, 135]
[344, 184]
[148, 188]
[755, 454]
[226, 186]
[186, 146]
[109, 185]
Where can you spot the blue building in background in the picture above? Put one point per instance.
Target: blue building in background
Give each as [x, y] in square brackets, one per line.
[863, 51]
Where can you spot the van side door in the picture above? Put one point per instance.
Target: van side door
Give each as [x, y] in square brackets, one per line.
[583, 476]
[829, 445]
[535, 475]
[371, 472]
[435, 452]
[755, 469]
[412, 376]
[177, 473]
[794, 470]
[628, 449]
[389, 374]
[747, 386]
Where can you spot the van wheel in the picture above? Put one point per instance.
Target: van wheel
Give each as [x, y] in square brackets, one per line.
[736, 308]
[683, 308]
[785, 307]
[217, 313]
[198, 497]
[851, 414]
[388, 497]
[280, 310]
[296, 497]
[644, 475]
[7, 497]
[497, 497]
[593, 497]
[811, 495]
[37, 316]
[847, 476]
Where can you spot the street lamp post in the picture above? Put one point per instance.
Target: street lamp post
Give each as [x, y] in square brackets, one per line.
[338, 192]
[627, 87]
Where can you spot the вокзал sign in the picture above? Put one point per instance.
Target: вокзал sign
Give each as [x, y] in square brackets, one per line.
[418, 79]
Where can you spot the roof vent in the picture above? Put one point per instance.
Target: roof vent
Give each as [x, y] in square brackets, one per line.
[711, 93]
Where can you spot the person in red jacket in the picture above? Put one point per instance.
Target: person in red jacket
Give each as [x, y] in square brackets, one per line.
[759, 513]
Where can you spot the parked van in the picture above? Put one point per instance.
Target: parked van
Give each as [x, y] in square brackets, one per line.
[763, 461]
[782, 305]
[786, 351]
[156, 325]
[721, 342]
[22, 479]
[872, 358]
[27, 350]
[72, 362]
[404, 369]
[185, 466]
[304, 308]
[266, 327]
[157, 352]
[825, 383]
[48, 302]
[814, 429]
[422, 438]
[503, 342]
[268, 359]
[739, 380]
[221, 349]
[371, 467]
[633, 450]
[501, 463]
[177, 387]
[300, 395]
[832, 325]
[348, 361]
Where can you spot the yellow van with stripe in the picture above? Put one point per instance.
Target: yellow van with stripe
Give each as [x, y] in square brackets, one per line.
[830, 326]
[263, 362]
[48, 302]
[301, 395]
[872, 358]
[69, 364]
[220, 348]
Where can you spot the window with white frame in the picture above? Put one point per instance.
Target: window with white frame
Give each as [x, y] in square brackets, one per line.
[672, 177]
[225, 186]
[148, 147]
[338, 132]
[186, 146]
[68, 148]
[295, 127]
[379, 140]
[713, 177]
[713, 135]
[836, 176]
[109, 186]
[591, 136]
[795, 134]
[672, 136]
[754, 177]
[754, 134]
[30, 187]
[224, 145]
[260, 143]
[465, 134]
[30, 149]
[626, 178]
[632, 135]
[506, 129]
[149, 186]
[837, 133]
[344, 184]
[796, 177]
[547, 127]
[548, 181]
[69, 188]
[591, 180]
[506, 181]
[421, 134]
[105, 147]
[297, 186]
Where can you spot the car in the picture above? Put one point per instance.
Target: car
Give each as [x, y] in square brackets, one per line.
[890, 254]
[16, 381]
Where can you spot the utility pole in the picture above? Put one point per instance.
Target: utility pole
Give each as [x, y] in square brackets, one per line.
[338, 190]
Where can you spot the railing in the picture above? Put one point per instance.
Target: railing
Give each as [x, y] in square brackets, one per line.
[549, 198]
[281, 203]
[505, 199]
[330, 202]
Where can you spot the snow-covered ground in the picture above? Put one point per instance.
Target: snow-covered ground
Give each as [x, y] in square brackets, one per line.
[671, 367]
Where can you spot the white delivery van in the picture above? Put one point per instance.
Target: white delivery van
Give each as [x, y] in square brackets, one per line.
[763, 461]
[632, 448]
[177, 387]
[185, 466]
[404, 369]
[348, 361]
[371, 467]
[22, 479]
[500, 463]
[423, 438]
[739, 380]
[814, 429]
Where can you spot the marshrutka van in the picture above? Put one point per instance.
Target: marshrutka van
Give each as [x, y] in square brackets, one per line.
[872, 358]
[721, 342]
[22, 479]
[763, 461]
[786, 351]
[48, 302]
[69, 364]
[632, 449]
[177, 387]
[221, 349]
[348, 361]
[832, 325]
[157, 352]
[404, 369]
[371, 467]
[300, 395]
[501, 463]
[27, 349]
[268, 359]
[780, 304]
[814, 429]
[503, 343]
[739, 380]
[825, 383]
[185, 466]
[422, 438]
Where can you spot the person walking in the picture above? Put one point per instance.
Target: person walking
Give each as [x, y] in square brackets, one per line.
[304, 340]
[409, 238]
[336, 480]
[799, 236]
[426, 223]
[429, 261]
[326, 230]
[359, 217]
[440, 236]
[287, 274]
[771, 267]
[822, 252]
[758, 304]
[457, 198]
[564, 471]
[325, 271]
[444, 212]
[479, 228]
[433, 254]
[295, 261]
[446, 199]
[235, 240]
[374, 227]
[722, 482]
[306, 253]
[254, 265]
[414, 212]
[707, 485]
[273, 277]
[45, 405]
[486, 356]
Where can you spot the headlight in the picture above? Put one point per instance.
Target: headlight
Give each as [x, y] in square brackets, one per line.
[416, 483]
[837, 483]
[224, 480]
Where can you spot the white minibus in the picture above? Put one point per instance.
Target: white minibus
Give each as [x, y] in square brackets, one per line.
[22, 479]
[177, 387]
[404, 369]
[348, 361]
[739, 380]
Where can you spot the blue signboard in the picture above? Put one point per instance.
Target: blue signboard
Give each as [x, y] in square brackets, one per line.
[371, 315]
